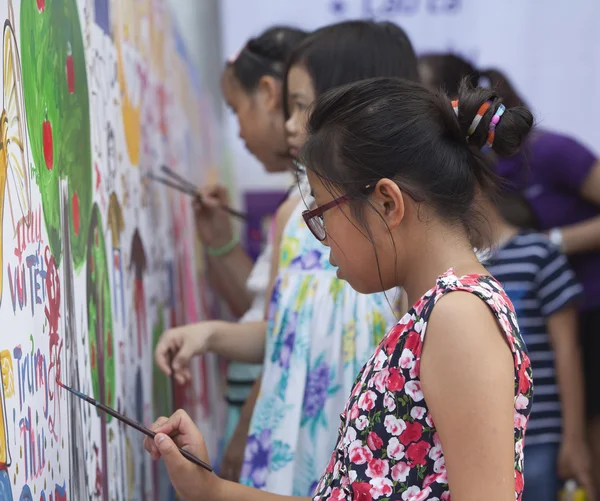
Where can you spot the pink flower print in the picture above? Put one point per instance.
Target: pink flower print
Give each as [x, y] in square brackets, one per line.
[411, 433]
[395, 381]
[366, 401]
[374, 441]
[378, 468]
[519, 447]
[380, 360]
[390, 402]
[416, 452]
[440, 465]
[445, 496]
[349, 436]
[380, 380]
[413, 390]
[354, 412]
[436, 440]
[393, 425]
[395, 450]
[381, 487]
[429, 420]
[520, 421]
[521, 403]
[407, 359]
[418, 412]
[414, 493]
[435, 453]
[358, 453]
[400, 472]
[337, 495]
[361, 423]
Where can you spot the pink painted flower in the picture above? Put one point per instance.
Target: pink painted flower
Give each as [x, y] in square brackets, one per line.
[378, 468]
[393, 425]
[366, 401]
[400, 472]
[381, 487]
[395, 450]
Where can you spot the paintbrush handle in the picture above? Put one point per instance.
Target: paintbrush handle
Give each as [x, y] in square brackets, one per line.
[133, 424]
[146, 431]
[179, 178]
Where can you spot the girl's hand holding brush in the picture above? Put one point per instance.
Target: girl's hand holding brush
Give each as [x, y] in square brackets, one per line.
[212, 222]
[190, 481]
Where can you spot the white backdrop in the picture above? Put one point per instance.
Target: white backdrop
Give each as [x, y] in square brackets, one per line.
[549, 48]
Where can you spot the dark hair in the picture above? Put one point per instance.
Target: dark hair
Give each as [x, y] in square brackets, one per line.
[353, 50]
[397, 129]
[448, 71]
[265, 55]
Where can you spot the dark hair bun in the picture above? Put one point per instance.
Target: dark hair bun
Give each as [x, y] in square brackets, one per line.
[511, 131]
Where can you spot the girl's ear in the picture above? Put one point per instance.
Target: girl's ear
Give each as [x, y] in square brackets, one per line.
[270, 92]
[387, 197]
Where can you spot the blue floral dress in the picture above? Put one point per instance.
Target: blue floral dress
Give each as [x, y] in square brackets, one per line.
[320, 334]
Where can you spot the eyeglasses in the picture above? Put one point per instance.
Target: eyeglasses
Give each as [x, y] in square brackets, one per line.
[314, 218]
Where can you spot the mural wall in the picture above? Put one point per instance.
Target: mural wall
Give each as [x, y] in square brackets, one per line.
[96, 260]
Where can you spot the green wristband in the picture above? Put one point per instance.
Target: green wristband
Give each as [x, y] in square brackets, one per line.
[223, 250]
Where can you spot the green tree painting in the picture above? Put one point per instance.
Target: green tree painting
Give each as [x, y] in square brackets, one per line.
[58, 116]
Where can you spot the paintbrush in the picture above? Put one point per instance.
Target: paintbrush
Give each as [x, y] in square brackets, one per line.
[188, 188]
[133, 424]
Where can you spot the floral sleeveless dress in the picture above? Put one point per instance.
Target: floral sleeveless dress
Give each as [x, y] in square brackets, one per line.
[387, 446]
[320, 333]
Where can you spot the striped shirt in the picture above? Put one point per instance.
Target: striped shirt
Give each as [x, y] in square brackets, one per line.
[538, 280]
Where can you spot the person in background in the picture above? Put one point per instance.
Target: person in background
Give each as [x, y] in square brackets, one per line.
[440, 410]
[252, 88]
[554, 183]
[542, 287]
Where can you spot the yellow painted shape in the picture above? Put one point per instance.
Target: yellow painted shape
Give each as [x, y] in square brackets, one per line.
[8, 380]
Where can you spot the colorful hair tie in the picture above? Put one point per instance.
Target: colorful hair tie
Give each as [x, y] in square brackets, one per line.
[493, 123]
[232, 59]
[455, 106]
[480, 112]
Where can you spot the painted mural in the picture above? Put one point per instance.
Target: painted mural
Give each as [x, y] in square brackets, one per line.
[96, 261]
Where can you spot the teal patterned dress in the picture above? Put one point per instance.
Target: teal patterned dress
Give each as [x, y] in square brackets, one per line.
[320, 334]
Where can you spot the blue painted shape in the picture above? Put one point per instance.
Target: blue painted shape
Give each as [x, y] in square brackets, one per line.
[102, 15]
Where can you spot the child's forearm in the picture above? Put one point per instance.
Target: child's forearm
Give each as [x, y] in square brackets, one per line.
[240, 342]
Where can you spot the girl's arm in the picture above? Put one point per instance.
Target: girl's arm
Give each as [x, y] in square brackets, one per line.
[239, 342]
[585, 236]
[574, 458]
[228, 275]
[467, 377]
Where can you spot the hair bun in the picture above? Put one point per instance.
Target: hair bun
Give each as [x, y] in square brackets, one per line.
[511, 130]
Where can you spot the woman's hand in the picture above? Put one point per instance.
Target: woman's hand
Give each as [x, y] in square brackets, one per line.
[574, 462]
[177, 346]
[213, 224]
[189, 480]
